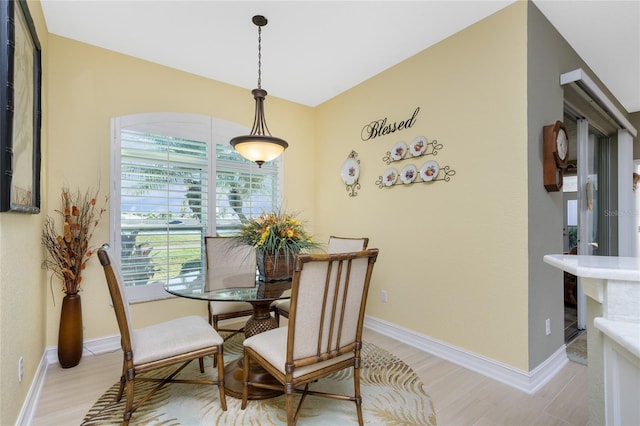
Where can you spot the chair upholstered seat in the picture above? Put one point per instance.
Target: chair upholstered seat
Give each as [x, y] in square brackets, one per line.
[274, 343]
[171, 338]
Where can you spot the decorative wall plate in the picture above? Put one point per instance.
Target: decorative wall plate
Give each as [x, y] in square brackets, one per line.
[390, 177]
[350, 171]
[399, 151]
[409, 173]
[418, 146]
[429, 170]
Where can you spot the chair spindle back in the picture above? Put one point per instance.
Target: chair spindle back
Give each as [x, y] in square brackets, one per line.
[229, 264]
[346, 244]
[329, 293]
[118, 297]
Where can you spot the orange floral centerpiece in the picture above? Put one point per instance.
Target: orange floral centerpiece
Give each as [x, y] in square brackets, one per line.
[277, 237]
[68, 252]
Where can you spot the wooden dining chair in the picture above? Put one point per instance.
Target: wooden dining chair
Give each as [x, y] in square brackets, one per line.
[229, 264]
[335, 245]
[324, 333]
[181, 340]
[346, 244]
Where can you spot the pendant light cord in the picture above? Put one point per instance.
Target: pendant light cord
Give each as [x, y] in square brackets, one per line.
[259, 57]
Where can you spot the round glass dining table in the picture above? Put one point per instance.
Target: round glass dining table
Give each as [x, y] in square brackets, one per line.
[260, 295]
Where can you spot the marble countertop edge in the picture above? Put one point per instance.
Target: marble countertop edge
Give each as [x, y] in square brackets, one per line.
[626, 334]
[598, 267]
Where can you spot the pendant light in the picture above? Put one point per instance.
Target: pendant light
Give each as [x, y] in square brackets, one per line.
[259, 146]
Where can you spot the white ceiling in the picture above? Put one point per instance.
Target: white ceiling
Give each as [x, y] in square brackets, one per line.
[315, 50]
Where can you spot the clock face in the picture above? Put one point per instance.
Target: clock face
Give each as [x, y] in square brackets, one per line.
[555, 155]
[562, 144]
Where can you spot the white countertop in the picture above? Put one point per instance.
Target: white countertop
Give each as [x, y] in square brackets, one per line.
[620, 297]
[600, 267]
[626, 334]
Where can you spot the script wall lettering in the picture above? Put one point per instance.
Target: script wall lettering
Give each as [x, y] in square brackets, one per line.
[381, 127]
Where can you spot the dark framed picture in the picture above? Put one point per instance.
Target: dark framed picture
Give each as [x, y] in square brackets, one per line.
[20, 109]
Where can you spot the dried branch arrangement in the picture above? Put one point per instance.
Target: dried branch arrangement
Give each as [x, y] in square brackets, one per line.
[69, 248]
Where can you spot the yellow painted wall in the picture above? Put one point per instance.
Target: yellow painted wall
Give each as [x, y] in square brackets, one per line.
[89, 86]
[22, 295]
[453, 255]
[423, 231]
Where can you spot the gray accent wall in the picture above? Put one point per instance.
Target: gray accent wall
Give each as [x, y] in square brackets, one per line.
[548, 56]
[635, 122]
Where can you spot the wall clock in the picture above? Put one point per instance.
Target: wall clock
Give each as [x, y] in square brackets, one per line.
[555, 155]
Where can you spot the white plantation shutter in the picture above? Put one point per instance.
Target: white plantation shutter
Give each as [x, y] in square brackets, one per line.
[163, 205]
[243, 190]
[165, 169]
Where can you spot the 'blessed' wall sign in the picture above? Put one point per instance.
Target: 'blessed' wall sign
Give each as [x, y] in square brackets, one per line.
[381, 128]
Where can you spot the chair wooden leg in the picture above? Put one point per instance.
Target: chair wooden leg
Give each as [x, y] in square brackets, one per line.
[210, 314]
[219, 357]
[356, 386]
[128, 411]
[122, 381]
[245, 380]
[201, 362]
[214, 322]
[121, 390]
[291, 417]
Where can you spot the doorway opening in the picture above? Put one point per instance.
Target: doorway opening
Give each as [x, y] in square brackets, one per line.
[603, 166]
[570, 246]
[588, 194]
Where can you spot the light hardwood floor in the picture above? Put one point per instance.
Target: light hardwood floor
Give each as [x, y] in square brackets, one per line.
[460, 396]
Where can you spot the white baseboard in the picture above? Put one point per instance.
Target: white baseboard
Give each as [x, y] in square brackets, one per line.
[529, 382]
[97, 346]
[29, 406]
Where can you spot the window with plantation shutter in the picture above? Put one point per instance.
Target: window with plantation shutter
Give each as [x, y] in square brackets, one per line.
[242, 190]
[176, 179]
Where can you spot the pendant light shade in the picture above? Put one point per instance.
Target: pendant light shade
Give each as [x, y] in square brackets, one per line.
[259, 146]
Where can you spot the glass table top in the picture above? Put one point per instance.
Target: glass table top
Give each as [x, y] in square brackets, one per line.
[235, 288]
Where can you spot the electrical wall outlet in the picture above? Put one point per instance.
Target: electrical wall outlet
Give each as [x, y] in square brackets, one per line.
[383, 296]
[20, 369]
[547, 325]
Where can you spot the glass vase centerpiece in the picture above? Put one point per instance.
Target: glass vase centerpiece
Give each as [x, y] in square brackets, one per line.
[278, 237]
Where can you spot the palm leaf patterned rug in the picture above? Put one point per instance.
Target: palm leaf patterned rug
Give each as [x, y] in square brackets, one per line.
[392, 394]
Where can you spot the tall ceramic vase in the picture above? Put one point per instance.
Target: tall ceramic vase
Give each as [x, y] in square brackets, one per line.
[70, 332]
